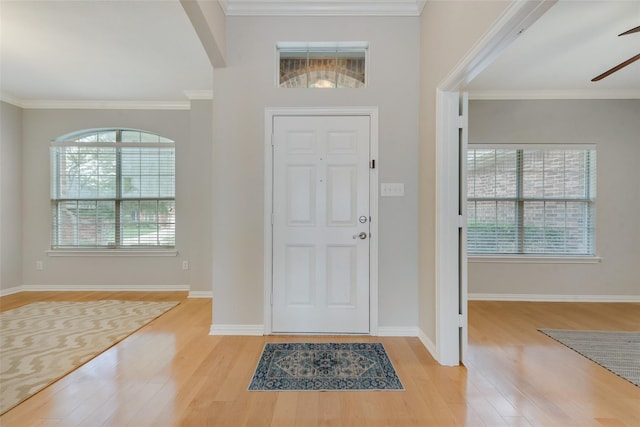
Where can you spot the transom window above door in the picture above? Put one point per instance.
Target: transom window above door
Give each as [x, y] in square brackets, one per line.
[322, 65]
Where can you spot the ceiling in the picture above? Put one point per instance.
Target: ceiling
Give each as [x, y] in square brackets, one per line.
[93, 50]
[96, 51]
[563, 50]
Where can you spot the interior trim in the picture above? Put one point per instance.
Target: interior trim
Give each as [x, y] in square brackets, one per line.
[533, 259]
[427, 343]
[251, 330]
[322, 8]
[201, 294]
[553, 298]
[194, 95]
[105, 288]
[504, 95]
[98, 105]
[112, 252]
[398, 331]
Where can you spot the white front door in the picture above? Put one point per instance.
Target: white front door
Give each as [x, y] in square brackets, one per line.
[321, 224]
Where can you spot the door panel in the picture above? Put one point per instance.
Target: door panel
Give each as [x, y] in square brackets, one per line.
[342, 196]
[300, 276]
[341, 283]
[320, 257]
[302, 201]
[342, 142]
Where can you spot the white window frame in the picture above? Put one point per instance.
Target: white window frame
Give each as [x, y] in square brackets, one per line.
[524, 258]
[72, 139]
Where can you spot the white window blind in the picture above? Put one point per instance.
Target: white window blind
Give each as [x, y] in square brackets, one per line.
[531, 200]
[112, 188]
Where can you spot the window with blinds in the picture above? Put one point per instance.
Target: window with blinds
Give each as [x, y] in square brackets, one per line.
[537, 200]
[112, 189]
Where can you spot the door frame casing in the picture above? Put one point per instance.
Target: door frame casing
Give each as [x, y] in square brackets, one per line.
[518, 16]
[269, 115]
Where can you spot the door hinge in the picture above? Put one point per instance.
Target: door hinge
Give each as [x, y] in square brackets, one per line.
[272, 144]
[462, 222]
[373, 164]
[460, 321]
[462, 122]
[272, 218]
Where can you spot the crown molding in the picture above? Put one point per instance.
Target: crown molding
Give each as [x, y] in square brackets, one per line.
[52, 104]
[10, 99]
[198, 95]
[552, 94]
[322, 8]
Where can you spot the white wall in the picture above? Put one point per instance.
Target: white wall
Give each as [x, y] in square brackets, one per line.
[614, 126]
[10, 197]
[245, 88]
[192, 132]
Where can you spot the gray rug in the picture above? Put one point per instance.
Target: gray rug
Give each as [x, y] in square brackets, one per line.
[323, 367]
[619, 352]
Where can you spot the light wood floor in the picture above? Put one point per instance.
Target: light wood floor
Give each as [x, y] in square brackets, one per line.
[172, 373]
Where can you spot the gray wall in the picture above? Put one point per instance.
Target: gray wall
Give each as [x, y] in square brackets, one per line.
[191, 129]
[449, 29]
[10, 197]
[194, 182]
[245, 88]
[614, 126]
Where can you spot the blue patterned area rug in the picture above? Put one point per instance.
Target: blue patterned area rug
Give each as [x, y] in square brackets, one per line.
[324, 367]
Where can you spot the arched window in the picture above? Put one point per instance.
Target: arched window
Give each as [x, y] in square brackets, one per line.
[112, 189]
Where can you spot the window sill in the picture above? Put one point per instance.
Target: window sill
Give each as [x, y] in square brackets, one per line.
[533, 259]
[112, 252]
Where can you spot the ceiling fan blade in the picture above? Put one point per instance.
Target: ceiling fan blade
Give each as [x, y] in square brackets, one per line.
[631, 31]
[616, 68]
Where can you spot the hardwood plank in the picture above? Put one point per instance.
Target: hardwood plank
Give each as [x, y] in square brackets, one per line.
[172, 373]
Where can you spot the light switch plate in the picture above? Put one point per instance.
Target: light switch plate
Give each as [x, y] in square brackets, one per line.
[392, 189]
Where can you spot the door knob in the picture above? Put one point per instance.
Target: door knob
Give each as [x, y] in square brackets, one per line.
[361, 236]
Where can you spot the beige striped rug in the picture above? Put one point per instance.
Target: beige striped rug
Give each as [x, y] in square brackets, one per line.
[43, 341]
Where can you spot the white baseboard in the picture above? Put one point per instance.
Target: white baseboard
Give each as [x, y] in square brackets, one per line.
[552, 298]
[397, 331]
[9, 291]
[200, 294]
[106, 288]
[409, 331]
[427, 343]
[383, 331]
[255, 330]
